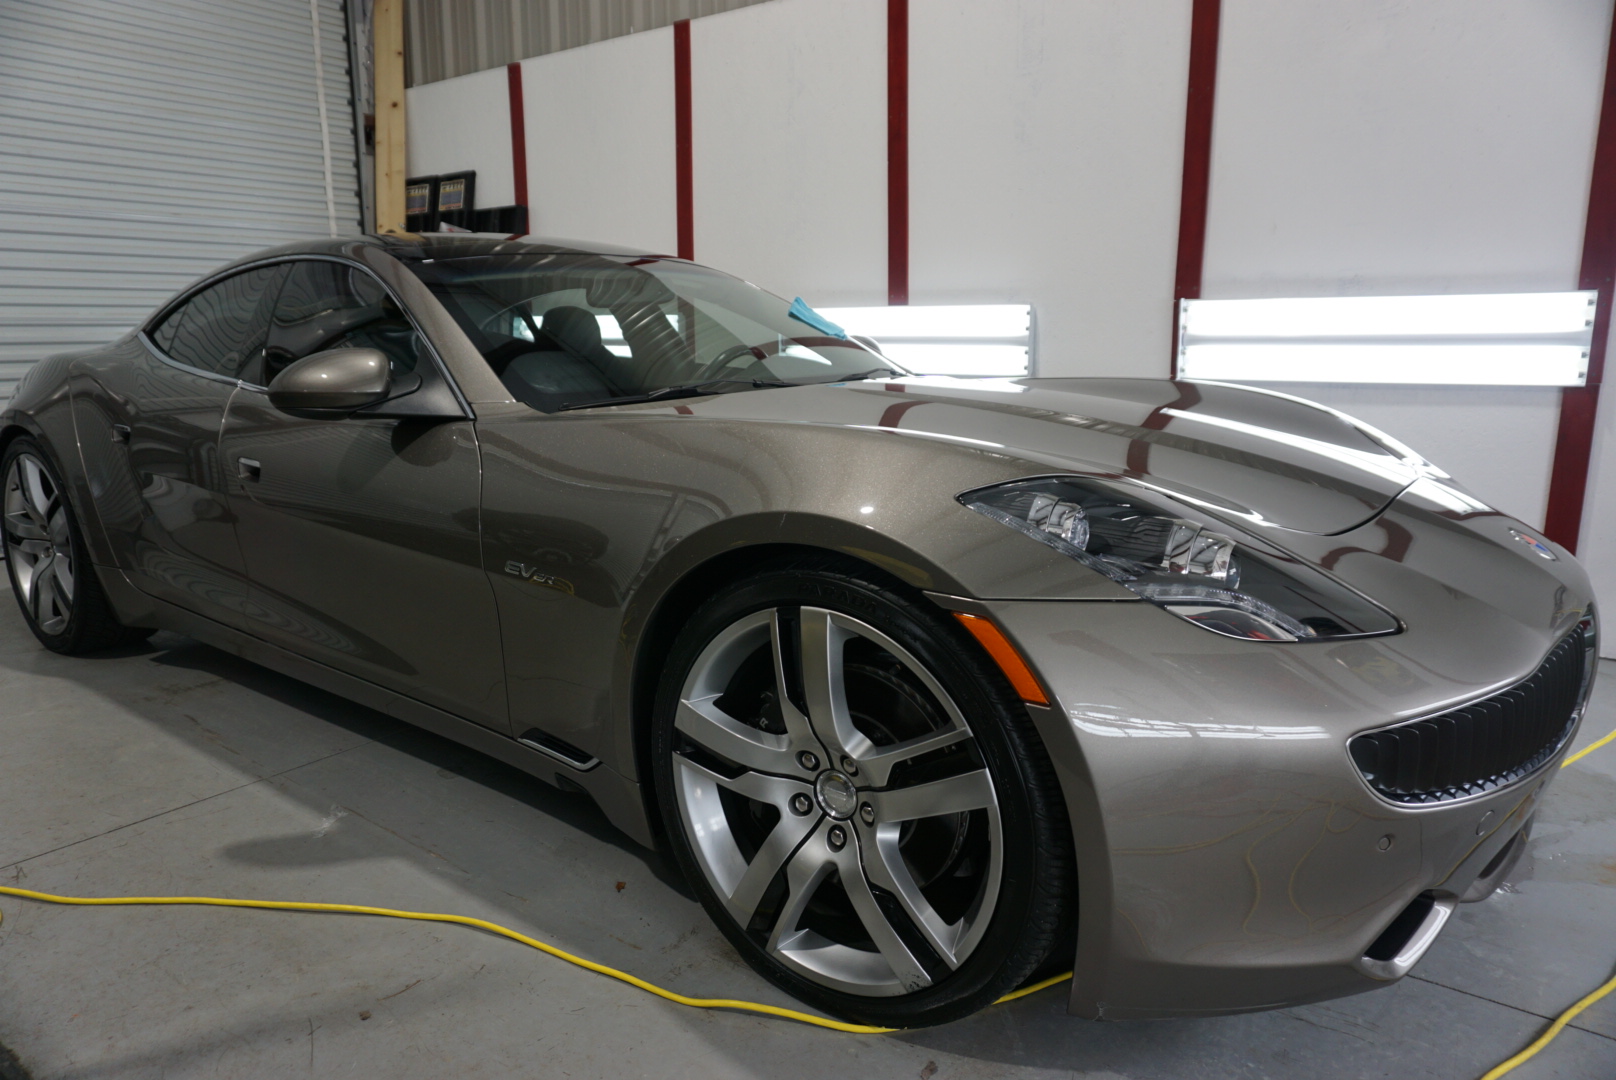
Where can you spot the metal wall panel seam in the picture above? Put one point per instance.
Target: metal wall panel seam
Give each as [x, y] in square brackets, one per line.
[465, 36]
[102, 20]
[45, 137]
[271, 137]
[163, 43]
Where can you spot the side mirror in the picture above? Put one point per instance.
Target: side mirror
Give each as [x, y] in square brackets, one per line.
[332, 384]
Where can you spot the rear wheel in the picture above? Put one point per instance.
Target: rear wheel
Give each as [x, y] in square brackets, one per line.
[859, 798]
[46, 558]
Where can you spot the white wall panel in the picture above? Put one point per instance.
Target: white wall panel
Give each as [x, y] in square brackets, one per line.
[460, 124]
[600, 145]
[1046, 147]
[788, 103]
[1497, 441]
[1382, 146]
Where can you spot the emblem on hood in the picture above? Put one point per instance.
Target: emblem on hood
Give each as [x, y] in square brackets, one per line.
[1535, 544]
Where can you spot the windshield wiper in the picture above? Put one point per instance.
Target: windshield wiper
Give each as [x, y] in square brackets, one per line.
[694, 389]
[872, 373]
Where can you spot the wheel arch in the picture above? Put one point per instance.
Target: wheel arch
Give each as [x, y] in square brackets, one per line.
[653, 618]
[48, 416]
[10, 432]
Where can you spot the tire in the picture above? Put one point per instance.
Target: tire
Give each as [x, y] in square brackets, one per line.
[46, 558]
[880, 831]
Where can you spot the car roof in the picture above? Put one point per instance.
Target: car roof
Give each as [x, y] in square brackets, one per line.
[448, 246]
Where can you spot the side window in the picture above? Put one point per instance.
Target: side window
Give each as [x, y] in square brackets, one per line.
[222, 328]
[329, 305]
[164, 334]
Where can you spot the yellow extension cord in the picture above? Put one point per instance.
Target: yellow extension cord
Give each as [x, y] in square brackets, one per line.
[503, 931]
[680, 999]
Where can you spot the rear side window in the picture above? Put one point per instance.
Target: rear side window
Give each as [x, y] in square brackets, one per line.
[329, 305]
[222, 328]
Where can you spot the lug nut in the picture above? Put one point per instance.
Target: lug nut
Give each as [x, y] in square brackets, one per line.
[808, 761]
[849, 766]
[801, 804]
[867, 814]
[836, 838]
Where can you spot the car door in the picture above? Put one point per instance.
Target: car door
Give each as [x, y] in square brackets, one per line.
[151, 443]
[361, 534]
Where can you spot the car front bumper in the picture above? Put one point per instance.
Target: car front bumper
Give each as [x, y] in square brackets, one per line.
[1230, 855]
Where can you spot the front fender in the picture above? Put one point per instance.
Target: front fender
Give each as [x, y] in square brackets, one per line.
[43, 408]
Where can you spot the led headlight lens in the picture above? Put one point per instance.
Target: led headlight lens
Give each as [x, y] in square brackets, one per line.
[1181, 565]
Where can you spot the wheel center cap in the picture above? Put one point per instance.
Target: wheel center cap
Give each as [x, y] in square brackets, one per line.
[836, 794]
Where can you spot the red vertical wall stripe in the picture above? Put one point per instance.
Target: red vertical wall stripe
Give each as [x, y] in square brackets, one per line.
[684, 164]
[1203, 81]
[1573, 446]
[513, 81]
[897, 151]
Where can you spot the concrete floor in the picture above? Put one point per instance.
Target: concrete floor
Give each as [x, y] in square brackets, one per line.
[176, 769]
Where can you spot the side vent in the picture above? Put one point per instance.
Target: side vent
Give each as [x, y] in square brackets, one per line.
[563, 751]
[1400, 946]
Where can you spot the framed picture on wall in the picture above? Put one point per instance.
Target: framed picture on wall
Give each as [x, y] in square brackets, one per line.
[420, 204]
[456, 199]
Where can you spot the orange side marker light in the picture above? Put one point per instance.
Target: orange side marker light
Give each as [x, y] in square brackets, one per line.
[1004, 654]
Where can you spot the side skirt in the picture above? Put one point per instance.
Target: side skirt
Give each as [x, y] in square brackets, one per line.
[617, 796]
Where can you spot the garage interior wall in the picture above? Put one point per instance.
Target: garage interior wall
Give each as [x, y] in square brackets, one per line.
[144, 146]
[1365, 149]
[1044, 156]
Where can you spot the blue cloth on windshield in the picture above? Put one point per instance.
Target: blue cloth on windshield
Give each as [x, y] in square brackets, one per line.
[803, 313]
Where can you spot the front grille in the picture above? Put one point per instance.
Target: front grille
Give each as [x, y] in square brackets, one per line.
[1483, 745]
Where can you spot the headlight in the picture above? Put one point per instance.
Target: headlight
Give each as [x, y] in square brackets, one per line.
[1182, 565]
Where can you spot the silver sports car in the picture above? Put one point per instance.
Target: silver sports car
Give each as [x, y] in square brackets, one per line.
[929, 685]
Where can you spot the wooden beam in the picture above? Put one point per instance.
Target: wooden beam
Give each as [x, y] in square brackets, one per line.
[387, 24]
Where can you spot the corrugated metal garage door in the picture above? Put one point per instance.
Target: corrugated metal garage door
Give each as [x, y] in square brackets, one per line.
[143, 144]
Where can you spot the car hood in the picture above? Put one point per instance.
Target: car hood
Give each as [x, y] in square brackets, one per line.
[1266, 459]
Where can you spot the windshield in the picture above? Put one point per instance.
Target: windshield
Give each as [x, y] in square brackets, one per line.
[569, 331]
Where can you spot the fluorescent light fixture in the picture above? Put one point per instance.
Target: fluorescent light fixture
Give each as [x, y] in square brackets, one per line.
[946, 339]
[936, 358]
[1503, 339]
[1474, 365]
[943, 339]
[946, 321]
[1392, 316]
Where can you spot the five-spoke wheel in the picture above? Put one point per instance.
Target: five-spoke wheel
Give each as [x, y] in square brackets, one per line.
[49, 566]
[841, 788]
[39, 543]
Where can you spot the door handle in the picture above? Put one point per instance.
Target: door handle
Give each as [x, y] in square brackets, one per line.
[248, 469]
[121, 433]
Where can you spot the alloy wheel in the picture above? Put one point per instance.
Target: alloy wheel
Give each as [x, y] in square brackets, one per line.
[39, 544]
[833, 795]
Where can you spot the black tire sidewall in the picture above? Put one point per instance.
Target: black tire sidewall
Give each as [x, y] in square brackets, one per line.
[1035, 862]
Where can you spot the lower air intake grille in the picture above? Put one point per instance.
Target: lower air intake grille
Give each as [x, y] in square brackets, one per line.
[1484, 745]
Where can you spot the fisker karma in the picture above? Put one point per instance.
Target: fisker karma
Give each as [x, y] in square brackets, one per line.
[930, 686]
